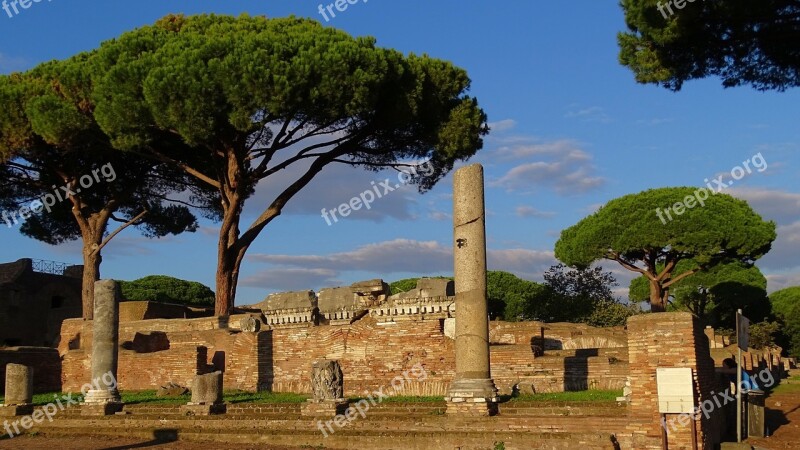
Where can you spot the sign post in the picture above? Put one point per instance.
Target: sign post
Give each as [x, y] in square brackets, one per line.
[742, 343]
[675, 396]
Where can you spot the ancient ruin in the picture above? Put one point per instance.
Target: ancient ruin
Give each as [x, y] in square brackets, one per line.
[473, 391]
[19, 391]
[103, 398]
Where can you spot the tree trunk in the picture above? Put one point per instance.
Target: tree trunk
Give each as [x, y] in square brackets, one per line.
[658, 297]
[226, 282]
[91, 273]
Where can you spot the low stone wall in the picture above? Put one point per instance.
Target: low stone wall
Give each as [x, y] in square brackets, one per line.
[45, 362]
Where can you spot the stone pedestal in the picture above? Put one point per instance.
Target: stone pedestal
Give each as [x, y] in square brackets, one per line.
[327, 385]
[19, 391]
[756, 421]
[473, 391]
[104, 399]
[206, 396]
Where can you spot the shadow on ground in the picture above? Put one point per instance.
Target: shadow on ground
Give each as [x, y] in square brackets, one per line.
[160, 437]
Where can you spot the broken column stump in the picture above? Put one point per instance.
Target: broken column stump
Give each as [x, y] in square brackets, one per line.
[327, 386]
[19, 391]
[206, 396]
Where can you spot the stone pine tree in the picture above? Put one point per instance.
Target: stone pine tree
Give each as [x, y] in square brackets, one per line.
[743, 42]
[51, 149]
[254, 98]
[714, 295]
[628, 230]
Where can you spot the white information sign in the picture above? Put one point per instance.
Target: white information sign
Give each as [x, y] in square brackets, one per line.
[675, 390]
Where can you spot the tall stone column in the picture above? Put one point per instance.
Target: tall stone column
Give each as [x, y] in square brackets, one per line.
[473, 391]
[103, 397]
[19, 391]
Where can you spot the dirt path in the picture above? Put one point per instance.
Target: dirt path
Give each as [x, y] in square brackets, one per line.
[103, 443]
[783, 421]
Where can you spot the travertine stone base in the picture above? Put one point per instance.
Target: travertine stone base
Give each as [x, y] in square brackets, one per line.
[15, 410]
[204, 410]
[325, 408]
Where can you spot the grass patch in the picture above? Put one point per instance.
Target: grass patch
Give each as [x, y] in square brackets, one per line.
[150, 398]
[572, 396]
[795, 378]
[232, 397]
[785, 388]
[264, 397]
[44, 399]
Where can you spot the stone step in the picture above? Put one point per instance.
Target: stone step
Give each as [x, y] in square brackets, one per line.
[348, 439]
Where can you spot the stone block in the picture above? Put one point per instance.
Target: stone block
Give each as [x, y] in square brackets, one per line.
[15, 410]
[436, 287]
[250, 325]
[327, 381]
[325, 408]
[289, 301]
[337, 299]
[101, 409]
[207, 389]
[19, 385]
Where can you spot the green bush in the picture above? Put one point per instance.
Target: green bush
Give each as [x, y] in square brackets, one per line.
[164, 289]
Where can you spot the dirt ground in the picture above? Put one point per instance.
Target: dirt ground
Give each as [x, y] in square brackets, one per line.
[783, 421]
[102, 443]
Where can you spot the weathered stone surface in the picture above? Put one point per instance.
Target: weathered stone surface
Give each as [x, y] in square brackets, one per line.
[250, 325]
[371, 293]
[171, 390]
[105, 348]
[327, 380]
[436, 287]
[337, 299]
[207, 389]
[289, 301]
[19, 385]
[472, 383]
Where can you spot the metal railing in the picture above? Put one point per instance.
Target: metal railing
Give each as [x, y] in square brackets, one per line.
[51, 267]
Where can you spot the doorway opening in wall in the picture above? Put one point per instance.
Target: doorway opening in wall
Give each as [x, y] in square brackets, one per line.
[56, 302]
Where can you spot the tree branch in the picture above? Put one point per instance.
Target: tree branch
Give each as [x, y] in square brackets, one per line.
[119, 230]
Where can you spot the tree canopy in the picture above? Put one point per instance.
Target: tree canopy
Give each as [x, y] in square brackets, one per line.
[165, 289]
[786, 306]
[628, 230]
[743, 42]
[714, 295]
[53, 155]
[247, 98]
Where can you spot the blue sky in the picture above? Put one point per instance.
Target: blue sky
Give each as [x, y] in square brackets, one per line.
[572, 130]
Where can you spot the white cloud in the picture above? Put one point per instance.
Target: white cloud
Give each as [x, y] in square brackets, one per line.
[528, 211]
[777, 282]
[502, 125]
[561, 165]
[589, 114]
[781, 206]
[291, 279]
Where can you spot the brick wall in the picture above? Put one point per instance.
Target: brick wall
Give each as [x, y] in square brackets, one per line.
[666, 340]
[371, 355]
[45, 362]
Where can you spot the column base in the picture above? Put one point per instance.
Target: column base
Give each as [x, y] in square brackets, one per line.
[324, 408]
[472, 398]
[103, 402]
[16, 410]
[101, 409]
[204, 410]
